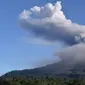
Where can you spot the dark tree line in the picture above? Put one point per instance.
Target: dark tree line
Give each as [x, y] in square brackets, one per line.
[41, 81]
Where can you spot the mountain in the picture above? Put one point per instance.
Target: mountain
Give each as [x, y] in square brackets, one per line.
[56, 69]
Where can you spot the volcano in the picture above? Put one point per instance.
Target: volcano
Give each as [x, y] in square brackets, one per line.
[61, 68]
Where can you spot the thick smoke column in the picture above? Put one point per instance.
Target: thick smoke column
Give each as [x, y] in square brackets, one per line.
[74, 54]
[49, 22]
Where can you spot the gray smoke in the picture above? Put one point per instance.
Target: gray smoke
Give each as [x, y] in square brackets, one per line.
[73, 54]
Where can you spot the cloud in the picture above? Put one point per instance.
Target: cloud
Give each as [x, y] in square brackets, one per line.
[49, 22]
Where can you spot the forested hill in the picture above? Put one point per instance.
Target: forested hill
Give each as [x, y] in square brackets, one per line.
[56, 69]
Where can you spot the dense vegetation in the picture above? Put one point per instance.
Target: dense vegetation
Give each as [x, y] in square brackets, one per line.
[45, 76]
[41, 81]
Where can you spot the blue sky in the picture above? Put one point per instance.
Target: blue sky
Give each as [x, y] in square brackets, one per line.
[15, 52]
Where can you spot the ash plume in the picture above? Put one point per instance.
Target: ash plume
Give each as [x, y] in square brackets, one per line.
[49, 22]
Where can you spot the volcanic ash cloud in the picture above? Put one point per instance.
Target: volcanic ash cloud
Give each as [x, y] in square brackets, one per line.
[49, 22]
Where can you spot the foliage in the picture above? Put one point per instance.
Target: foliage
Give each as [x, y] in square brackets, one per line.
[41, 81]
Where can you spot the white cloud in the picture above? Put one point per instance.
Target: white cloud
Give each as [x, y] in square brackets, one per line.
[49, 22]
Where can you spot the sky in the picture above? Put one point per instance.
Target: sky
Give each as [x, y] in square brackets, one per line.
[17, 49]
